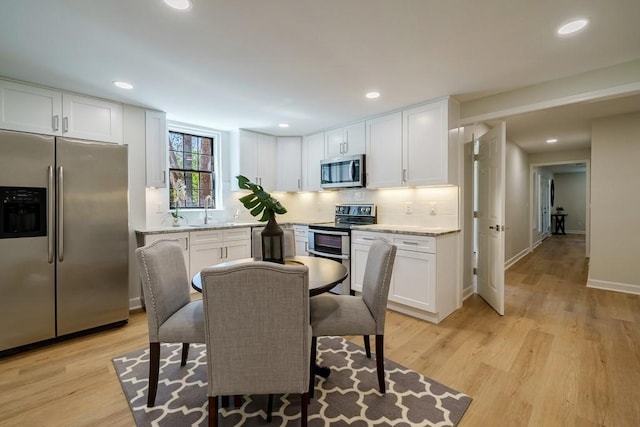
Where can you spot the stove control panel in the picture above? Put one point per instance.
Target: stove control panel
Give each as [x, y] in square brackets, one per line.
[356, 210]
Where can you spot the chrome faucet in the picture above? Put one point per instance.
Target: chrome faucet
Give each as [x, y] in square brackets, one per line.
[206, 208]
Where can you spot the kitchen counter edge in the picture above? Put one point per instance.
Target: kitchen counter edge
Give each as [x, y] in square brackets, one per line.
[413, 230]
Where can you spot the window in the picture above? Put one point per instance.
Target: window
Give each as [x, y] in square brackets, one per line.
[192, 166]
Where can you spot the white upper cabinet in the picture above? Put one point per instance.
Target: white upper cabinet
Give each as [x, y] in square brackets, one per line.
[89, 118]
[30, 109]
[156, 148]
[430, 144]
[34, 109]
[384, 156]
[289, 153]
[254, 156]
[345, 141]
[312, 154]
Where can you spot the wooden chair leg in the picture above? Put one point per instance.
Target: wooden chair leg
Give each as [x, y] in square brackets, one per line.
[367, 346]
[303, 409]
[380, 362]
[312, 371]
[185, 353]
[237, 400]
[154, 371]
[269, 407]
[213, 411]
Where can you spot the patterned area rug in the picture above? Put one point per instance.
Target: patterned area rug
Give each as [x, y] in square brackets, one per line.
[348, 397]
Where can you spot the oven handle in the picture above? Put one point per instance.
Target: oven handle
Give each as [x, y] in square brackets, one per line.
[333, 233]
[325, 255]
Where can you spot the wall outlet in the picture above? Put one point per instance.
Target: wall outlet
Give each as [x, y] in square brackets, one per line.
[433, 208]
[408, 208]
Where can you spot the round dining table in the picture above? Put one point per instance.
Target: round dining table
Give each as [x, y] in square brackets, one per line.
[324, 273]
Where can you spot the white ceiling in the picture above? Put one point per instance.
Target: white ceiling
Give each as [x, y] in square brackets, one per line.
[255, 63]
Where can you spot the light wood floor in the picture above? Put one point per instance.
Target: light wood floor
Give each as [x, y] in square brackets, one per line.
[563, 355]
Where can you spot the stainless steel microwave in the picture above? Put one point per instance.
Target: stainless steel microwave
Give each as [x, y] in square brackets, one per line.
[342, 172]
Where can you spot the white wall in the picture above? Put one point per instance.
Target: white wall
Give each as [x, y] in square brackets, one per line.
[516, 203]
[615, 203]
[570, 193]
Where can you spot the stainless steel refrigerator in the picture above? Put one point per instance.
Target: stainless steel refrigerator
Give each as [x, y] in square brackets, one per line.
[63, 237]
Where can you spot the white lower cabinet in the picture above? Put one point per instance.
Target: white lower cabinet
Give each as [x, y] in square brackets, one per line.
[424, 281]
[301, 233]
[210, 247]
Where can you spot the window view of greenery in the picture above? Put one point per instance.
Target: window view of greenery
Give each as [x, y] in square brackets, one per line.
[191, 161]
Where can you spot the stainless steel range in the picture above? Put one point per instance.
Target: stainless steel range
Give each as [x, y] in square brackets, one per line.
[332, 240]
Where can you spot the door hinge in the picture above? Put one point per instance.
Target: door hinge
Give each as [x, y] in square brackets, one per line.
[476, 157]
[475, 271]
[475, 214]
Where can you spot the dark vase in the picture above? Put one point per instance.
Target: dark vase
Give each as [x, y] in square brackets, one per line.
[272, 241]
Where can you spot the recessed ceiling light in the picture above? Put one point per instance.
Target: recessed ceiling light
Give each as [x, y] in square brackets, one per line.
[123, 85]
[552, 140]
[179, 4]
[573, 26]
[283, 125]
[373, 95]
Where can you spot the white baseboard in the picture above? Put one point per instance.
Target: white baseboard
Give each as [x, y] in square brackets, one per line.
[626, 288]
[516, 258]
[135, 303]
[467, 292]
[576, 232]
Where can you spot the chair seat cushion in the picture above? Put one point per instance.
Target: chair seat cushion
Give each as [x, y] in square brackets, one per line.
[185, 325]
[340, 315]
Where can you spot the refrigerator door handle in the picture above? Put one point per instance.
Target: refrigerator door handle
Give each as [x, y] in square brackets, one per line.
[60, 213]
[50, 211]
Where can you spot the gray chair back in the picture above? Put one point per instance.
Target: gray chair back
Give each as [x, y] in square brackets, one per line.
[165, 282]
[257, 328]
[289, 242]
[377, 279]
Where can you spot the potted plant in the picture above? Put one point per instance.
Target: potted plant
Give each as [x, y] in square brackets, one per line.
[179, 196]
[263, 206]
[559, 209]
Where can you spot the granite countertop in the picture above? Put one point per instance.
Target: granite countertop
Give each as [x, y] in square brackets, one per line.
[415, 230]
[197, 227]
[214, 226]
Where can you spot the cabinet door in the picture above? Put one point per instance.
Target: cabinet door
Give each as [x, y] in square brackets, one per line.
[384, 158]
[414, 279]
[156, 149]
[206, 255]
[267, 158]
[248, 151]
[30, 109]
[354, 136]
[345, 141]
[289, 164]
[359, 254]
[334, 143]
[94, 119]
[301, 233]
[237, 244]
[425, 144]
[312, 154]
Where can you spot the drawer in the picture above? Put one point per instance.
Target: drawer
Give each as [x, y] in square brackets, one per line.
[237, 234]
[365, 237]
[415, 243]
[205, 237]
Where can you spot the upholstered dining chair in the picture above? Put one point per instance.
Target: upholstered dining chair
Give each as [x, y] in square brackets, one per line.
[358, 315]
[257, 332]
[288, 241]
[171, 315]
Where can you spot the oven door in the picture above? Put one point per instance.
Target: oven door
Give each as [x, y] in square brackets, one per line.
[334, 245]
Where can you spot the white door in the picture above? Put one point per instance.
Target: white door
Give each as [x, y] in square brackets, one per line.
[491, 194]
[545, 201]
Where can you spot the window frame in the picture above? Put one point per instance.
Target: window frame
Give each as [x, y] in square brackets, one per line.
[216, 151]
